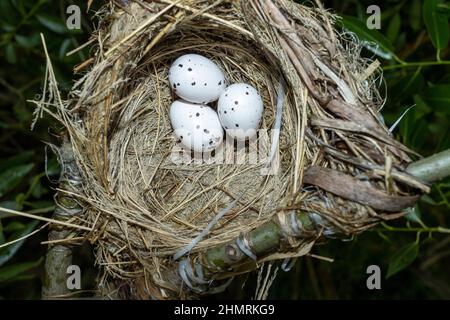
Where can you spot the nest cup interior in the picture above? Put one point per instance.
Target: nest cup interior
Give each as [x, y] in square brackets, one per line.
[177, 201]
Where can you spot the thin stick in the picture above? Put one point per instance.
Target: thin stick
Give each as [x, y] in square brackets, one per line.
[63, 240]
[24, 237]
[83, 65]
[315, 256]
[32, 216]
[84, 45]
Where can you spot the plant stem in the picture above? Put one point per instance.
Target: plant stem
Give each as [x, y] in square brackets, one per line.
[432, 168]
[388, 228]
[417, 64]
[262, 240]
[59, 255]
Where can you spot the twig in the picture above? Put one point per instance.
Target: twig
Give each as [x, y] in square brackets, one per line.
[24, 237]
[84, 45]
[432, 168]
[32, 216]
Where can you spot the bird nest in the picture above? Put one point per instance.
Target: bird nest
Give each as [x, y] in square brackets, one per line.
[165, 228]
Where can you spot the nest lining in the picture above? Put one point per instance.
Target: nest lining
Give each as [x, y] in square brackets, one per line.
[144, 208]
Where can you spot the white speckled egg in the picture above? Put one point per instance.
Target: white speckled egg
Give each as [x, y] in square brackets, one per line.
[240, 110]
[196, 78]
[196, 126]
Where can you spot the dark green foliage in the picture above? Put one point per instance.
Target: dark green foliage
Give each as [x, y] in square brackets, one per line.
[403, 258]
[412, 253]
[24, 160]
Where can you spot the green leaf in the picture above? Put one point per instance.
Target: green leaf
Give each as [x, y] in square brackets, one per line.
[444, 8]
[15, 160]
[8, 13]
[438, 98]
[414, 215]
[52, 23]
[414, 129]
[389, 11]
[8, 252]
[36, 189]
[436, 23]
[44, 204]
[403, 258]
[19, 278]
[27, 42]
[9, 273]
[64, 48]
[406, 86]
[394, 28]
[20, 7]
[10, 178]
[14, 226]
[428, 200]
[415, 14]
[422, 107]
[8, 205]
[10, 53]
[20, 199]
[374, 40]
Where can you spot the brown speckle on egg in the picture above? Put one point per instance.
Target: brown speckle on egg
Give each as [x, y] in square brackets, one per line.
[189, 69]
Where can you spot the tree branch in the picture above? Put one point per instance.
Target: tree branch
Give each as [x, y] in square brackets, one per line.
[433, 168]
[59, 255]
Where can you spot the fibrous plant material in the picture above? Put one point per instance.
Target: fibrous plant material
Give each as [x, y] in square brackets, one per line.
[340, 171]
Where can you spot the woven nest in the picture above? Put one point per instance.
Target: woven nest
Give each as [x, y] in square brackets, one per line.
[337, 170]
